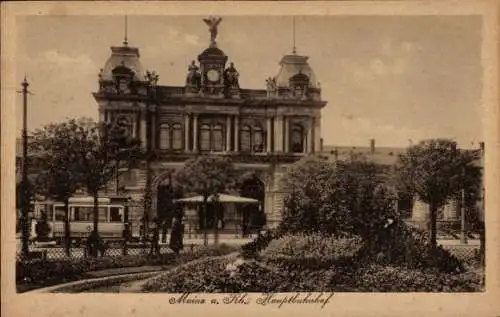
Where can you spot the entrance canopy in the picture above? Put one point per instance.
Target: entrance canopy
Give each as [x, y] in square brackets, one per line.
[222, 198]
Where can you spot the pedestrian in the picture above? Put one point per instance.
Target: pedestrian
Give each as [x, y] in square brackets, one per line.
[126, 235]
[176, 236]
[155, 239]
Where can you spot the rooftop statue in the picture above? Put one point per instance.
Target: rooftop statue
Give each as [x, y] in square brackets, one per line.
[194, 76]
[271, 86]
[152, 77]
[231, 77]
[212, 23]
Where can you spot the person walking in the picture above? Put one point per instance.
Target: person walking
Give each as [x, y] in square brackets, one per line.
[155, 239]
[176, 234]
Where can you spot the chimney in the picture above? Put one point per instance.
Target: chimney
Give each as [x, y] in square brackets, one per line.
[372, 146]
[321, 145]
[481, 147]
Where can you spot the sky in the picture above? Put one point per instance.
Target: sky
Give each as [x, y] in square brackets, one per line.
[391, 78]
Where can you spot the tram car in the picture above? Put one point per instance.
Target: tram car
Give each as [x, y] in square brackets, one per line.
[111, 223]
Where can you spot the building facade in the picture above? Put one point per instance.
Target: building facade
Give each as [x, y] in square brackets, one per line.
[262, 130]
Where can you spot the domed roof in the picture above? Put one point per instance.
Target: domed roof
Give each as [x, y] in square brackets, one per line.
[212, 52]
[292, 65]
[124, 56]
[299, 78]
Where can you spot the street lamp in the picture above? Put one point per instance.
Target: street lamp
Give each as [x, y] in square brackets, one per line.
[463, 236]
[25, 201]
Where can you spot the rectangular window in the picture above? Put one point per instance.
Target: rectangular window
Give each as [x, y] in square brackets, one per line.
[258, 142]
[164, 137]
[60, 213]
[245, 141]
[76, 213]
[115, 214]
[85, 214]
[177, 139]
[50, 214]
[103, 214]
[205, 140]
[218, 141]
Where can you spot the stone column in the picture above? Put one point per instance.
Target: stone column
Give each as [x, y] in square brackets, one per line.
[286, 146]
[102, 117]
[310, 144]
[236, 134]
[153, 131]
[195, 132]
[451, 210]
[186, 132]
[143, 134]
[420, 213]
[268, 134]
[228, 133]
[278, 134]
[317, 134]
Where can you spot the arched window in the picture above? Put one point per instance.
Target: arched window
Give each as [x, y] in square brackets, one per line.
[164, 137]
[251, 138]
[177, 136]
[245, 138]
[297, 139]
[124, 126]
[123, 77]
[218, 138]
[257, 139]
[205, 137]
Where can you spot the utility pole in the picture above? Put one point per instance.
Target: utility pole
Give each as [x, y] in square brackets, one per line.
[25, 199]
[463, 236]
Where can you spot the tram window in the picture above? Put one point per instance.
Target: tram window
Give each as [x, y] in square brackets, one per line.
[60, 213]
[103, 214]
[115, 214]
[50, 214]
[84, 214]
[76, 213]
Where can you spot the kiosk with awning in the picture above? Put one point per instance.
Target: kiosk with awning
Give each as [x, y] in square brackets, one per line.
[231, 220]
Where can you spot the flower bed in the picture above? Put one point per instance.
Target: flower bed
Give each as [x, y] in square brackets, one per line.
[222, 276]
[41, 273]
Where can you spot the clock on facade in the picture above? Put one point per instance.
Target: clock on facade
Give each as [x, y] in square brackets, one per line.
[213, 75]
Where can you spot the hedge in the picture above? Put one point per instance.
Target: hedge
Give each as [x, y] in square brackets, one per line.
[42, 273]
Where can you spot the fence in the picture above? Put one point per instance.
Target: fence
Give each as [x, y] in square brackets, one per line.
[467, 253]
[446, 230]
[59, 253]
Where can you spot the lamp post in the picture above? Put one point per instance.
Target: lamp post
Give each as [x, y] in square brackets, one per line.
[463, 235]
[25, 200]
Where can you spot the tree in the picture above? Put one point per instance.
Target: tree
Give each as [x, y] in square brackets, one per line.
[59, 173]
[128, 148]
[99, 152]
[434, 171]
[344, 199]
[167, 209]
[42, 228]
[207, 176]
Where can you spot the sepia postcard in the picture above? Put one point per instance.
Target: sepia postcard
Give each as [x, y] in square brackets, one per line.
[333, 158]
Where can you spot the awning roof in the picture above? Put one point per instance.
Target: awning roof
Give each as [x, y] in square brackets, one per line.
[223, 198]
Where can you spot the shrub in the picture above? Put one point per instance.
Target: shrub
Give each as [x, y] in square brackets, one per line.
[313, 245]
[230, 275]
[409, 247]
[252, 249]
[197, 276]
[348, 198]
[40, 273]
[310, 251]
[377, 278]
